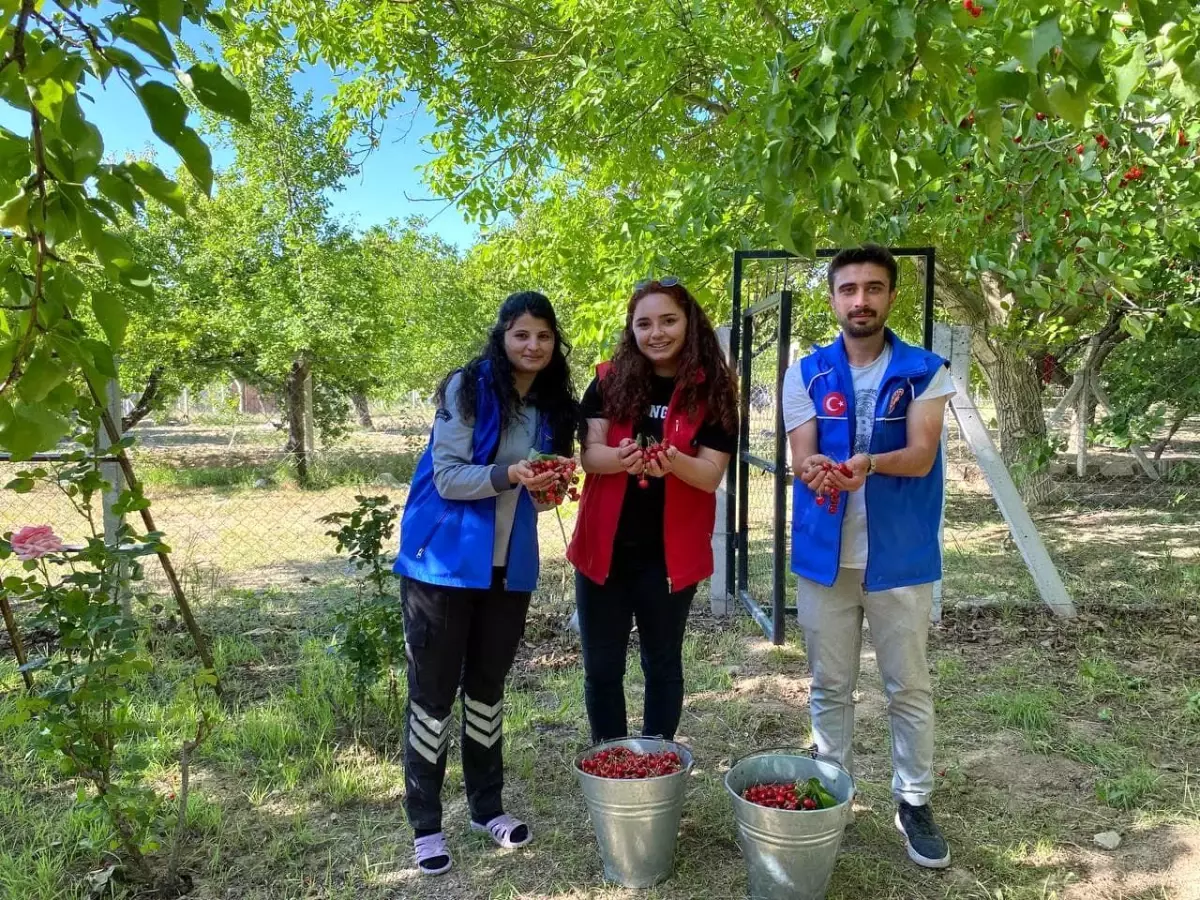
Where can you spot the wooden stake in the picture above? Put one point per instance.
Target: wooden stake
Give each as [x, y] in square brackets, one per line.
[15, 636]
[131, 479]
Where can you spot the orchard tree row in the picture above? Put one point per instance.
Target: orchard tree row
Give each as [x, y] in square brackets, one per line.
[1049, 153]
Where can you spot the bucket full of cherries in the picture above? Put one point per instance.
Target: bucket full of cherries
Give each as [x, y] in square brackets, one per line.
[634, 790]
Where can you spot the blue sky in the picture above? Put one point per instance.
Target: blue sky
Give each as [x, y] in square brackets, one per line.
[378, 193]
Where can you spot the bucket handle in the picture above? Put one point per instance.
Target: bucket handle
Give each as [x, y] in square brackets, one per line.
[810, 751]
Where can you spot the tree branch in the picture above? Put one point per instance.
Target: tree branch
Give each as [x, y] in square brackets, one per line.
[773, 19]
[145, 402]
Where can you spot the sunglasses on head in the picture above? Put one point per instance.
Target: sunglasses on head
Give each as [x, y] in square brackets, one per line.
[669, 281]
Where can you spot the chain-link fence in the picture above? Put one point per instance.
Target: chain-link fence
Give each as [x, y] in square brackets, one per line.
[235, 515]
[227, 497]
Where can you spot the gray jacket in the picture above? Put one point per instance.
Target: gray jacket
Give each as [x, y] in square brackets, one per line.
[457, 478]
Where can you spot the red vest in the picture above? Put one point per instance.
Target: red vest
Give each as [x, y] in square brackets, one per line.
[688, 516]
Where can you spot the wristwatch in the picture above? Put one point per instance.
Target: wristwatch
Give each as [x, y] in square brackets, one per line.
[870, 463]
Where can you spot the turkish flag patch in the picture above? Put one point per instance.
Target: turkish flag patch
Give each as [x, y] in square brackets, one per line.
[834, 403]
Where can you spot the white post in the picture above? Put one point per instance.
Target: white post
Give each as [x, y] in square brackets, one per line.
[1045, 575]
[952, 343]
[187, 408]
[309, 436]
[111, 472]
[720, 602]
[1085, 378]
[943, 346]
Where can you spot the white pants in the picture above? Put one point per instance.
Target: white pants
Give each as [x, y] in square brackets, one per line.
[899, 620]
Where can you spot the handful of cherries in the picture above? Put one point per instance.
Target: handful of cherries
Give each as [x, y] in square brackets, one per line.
[652, 451]
[835, 493]
[566, 487]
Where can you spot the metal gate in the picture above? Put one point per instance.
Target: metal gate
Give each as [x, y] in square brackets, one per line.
[780, 302]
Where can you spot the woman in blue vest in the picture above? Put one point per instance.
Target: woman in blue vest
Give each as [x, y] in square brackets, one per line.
[469, 562]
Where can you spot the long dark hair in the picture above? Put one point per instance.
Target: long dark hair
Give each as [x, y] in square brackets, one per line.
[704, 373]
[552, 392]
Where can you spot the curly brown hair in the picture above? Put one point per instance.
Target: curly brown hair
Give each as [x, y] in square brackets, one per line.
[704, 373]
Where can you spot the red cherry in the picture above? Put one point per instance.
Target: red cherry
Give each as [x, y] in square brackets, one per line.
[1041, 117]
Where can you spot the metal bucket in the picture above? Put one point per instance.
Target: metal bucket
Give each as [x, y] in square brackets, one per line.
[789, 854]
[636, 820]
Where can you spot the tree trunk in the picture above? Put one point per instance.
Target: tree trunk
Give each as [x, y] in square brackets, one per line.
[1012, 375]
[362, 410]
[1017, 391]
[295, 398]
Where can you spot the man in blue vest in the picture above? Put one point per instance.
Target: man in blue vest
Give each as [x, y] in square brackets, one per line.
[864, 419]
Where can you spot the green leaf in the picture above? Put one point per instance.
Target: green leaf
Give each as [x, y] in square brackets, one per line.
[145, 34]
[120, 191]
[165, 108]
[47, 98]
[992, 86]
[170, 13]
[61, 222]
[125, 60]
[196, 156]
[1032, 45]
[1067, 104]
[101, 355]
[219, 90]
[1133, 327]
[86, 144]
[42, 374]
[932, 164]
[110, 313]
[151, 179]
[168, 116]
[15, 213]
[109, 247]
[218, 20]
[1154, 14]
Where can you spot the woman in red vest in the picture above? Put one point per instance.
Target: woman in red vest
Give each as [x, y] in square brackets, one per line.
[643, 541]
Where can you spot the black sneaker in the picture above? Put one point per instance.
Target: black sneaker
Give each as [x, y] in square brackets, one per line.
[925, 844]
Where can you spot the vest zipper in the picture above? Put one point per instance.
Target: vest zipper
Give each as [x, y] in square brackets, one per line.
[674, 431]
[421, 550]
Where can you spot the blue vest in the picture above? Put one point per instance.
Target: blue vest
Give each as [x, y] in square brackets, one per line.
[449, 542]
[903, 514]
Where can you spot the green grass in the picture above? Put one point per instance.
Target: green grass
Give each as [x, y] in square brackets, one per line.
[1028, 710]
[288, 801]
[328, 469]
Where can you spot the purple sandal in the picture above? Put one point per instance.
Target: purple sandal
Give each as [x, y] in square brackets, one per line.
[431, 850]
[501, 828]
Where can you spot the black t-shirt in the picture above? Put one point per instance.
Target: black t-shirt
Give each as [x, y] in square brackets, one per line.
[640, 527]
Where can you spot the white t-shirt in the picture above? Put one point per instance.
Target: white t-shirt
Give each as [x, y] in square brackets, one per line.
[798, 408]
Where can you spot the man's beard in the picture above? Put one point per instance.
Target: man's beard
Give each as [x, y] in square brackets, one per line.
[863, 329]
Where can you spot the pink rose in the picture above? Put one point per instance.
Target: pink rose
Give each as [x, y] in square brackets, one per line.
[35, 541]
